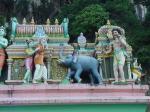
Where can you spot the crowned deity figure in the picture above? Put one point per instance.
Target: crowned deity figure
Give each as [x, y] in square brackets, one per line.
[118, 46]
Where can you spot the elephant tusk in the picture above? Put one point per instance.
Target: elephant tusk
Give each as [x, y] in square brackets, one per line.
[60, 60]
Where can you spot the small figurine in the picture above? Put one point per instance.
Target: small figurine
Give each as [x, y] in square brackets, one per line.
[136, 71]
[14, 24]
[64, 24]
[81, 41]
[40, 32]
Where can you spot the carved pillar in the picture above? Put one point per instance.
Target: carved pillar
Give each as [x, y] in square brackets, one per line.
[9, 62]
[48, 62]
[129, 67]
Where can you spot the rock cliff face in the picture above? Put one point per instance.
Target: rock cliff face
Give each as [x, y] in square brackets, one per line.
[10, 8]
[140, 10]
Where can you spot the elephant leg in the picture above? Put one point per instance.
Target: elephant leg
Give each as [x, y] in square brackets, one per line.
[97, 77]
[77, 75]
[91, 79]
[70, 74]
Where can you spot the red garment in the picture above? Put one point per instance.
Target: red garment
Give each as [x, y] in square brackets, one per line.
[2, 58]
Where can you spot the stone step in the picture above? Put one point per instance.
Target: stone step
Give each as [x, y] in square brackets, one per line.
[43, 93]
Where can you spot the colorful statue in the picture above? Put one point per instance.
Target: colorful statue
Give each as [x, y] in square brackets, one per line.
[29, 61]
[82, 63]
[64, 24]
[3, 44]
[14, 24]
[81, 41]
[40, 32]
[136, 71]
[118, 46]
[40, 68]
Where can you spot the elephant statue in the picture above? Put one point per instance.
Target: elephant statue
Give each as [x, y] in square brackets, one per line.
[79, 63]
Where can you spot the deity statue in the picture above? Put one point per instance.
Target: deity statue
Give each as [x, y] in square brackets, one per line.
[136, 71]
[118, 46]
[40, 32]
[29, 60]
[14, 24]
[64, 24]
[81, 41]
[40, 68]
[3, 45]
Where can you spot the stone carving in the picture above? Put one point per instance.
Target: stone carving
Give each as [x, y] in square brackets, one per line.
[29, 61]
[64, 24]
[136, 71]
[14, 24]
[81, 41]
[82, 63]
[118, 45]
[3, 45]
[40, 32]
[40, 68]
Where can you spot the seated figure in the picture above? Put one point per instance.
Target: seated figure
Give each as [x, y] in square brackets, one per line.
[136, 71]
[81, 41]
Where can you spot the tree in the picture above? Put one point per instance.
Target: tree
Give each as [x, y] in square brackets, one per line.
[89, 20]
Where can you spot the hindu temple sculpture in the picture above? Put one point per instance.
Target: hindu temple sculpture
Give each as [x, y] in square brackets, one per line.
[40, 32]
[40, 68]
[81, 40]
[47, 39]
[48, 36]
[65, 27]
[28, 61]
[112, 45]
[136, 71]
[3, 45]
[118, 46]
[79, 63]
[14, 24]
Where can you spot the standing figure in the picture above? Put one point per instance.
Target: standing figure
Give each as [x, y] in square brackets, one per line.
[118, 46]
[40, 68]
[14, 24]
[28, 61]
[3, 44]
[64, 24]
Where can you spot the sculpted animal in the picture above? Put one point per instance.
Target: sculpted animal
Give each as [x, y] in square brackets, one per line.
[80, 63]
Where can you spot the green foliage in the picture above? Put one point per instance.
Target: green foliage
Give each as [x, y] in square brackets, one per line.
[43, 11]
[89, 19]
[2, 20]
